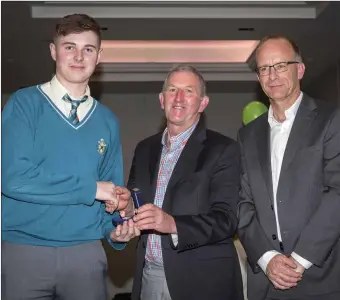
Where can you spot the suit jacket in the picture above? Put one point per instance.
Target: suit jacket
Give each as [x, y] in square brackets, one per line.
[202, 196]
[308, 199]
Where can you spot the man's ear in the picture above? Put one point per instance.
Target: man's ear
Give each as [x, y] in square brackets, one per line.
[204, 103]
[99, 55]
[161, 100]
[53, 51]
[301, 70]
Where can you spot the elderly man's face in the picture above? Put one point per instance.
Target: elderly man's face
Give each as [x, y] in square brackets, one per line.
[182, 101]
[279, 86]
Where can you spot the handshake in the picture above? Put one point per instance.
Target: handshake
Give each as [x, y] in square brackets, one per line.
[148, 216]
[117, 198]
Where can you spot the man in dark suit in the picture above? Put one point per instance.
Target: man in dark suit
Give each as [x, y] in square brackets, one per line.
[189, 179]
[289, 209]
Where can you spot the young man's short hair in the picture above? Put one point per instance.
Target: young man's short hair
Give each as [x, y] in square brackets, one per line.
[76, 23]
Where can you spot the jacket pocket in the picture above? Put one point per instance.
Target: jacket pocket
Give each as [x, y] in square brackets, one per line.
[216, 251]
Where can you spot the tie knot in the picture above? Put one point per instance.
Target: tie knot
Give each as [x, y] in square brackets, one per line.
[75, 103]
[73, 117]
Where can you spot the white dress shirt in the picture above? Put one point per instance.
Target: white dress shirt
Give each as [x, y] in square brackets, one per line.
[56, 91]
[279, 134]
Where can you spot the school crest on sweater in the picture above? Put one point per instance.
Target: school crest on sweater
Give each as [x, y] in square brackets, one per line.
[101, 146]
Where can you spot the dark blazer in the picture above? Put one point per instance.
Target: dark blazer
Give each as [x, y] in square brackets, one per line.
[202, 196]
[308, 199]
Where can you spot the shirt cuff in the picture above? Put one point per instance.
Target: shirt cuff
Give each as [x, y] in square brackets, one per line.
[265, 259]
[174, 237]
[302, 261]
[116, 245]
[133, 211]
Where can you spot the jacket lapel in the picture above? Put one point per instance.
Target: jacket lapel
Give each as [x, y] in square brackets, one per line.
[302, 122]
[187, 162]
[263, 148]
[154, 160]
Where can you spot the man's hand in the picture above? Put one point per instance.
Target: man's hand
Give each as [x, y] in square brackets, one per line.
[281, 272]
[151, 217]
[124, 232]
[126, 207]
[106, 192]
[122, 201]
[300, 268]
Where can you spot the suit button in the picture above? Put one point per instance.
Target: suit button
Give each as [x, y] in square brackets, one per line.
[281, 247]
[274, 237]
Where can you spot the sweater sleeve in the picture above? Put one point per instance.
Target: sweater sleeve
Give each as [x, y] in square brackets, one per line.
[112, 170]
[24, 179]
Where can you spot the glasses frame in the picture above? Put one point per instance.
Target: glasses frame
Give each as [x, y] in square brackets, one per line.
[274, 67]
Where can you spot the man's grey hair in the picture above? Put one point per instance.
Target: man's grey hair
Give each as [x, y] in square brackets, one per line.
[186, 68]
[296, 49]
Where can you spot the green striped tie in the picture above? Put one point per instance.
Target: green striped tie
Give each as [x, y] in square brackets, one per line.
[73, 117]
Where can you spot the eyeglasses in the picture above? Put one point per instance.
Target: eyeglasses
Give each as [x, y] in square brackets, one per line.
[278, 67]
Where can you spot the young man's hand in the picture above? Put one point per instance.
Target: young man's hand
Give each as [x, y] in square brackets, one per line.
[124, 232]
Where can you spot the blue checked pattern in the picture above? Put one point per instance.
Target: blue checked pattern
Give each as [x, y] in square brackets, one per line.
[73, 117]
[169, 158]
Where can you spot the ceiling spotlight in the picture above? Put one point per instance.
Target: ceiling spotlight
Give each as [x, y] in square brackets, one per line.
[246, 29]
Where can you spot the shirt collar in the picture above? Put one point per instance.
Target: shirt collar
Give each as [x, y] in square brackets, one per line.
[180, 139]
[290, 113]
[59, 91]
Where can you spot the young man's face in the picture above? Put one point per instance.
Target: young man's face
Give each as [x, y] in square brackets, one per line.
[76, 56]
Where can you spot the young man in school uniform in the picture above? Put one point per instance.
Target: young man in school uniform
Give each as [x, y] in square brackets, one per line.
[62, 164]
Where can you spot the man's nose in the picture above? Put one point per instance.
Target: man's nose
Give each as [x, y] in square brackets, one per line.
[179, 95]
[272, 73]
[79, 56]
